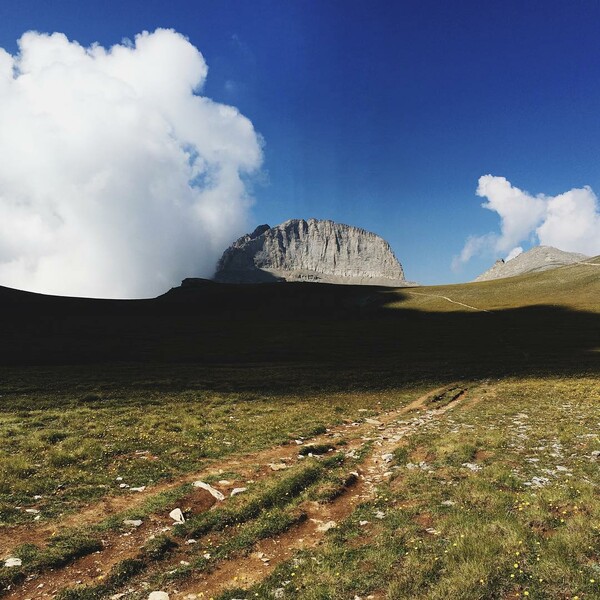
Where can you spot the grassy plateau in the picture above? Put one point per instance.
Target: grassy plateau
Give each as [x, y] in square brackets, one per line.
[427, 442]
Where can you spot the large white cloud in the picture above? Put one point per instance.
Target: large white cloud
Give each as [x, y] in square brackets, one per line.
[569, 221]
[116, 177]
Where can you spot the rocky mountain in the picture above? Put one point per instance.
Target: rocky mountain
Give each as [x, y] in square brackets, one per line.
[313, 250]
[540, 258]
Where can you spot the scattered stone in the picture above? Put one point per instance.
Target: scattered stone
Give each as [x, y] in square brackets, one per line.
[224, 482]
[210, 489]
[277, 466]
[433, 531]
[13, 562]
[471, 466]
[363, 523]
[537, 482]
[123, 486]
[132, 522]
[323, 527]
[191, 541]
[389, 457]
[141, 488]
[380, 514]
[448, 503]
[158, 596]
[177, 516]
[236, 491]
[206, 555]
[299, 442]
[373, 422]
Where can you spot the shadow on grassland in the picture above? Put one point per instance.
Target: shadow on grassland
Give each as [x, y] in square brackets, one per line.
[285, 337]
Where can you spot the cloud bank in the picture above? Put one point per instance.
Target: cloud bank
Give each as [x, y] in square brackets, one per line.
[569, 221]
[117, 179]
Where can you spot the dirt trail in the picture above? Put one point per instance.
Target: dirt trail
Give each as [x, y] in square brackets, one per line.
[245, 571]
[450, 300]
[385, 431]
[11, 537]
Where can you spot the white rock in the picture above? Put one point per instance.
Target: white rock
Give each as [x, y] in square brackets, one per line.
[177, 515]
[326, 526]
[373, 422]
[472, 466]
[210, 489]
[138, 489]
[158, 596]
[132, 522]
[277, 466]
[236, 491]
[389, 457]
[13, 562]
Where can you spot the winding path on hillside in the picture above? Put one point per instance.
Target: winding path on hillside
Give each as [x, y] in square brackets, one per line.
[452, 301]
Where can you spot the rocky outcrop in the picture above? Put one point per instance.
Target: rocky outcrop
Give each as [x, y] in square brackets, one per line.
[313, 250]
[540, 258]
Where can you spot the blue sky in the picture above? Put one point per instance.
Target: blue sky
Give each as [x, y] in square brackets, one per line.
[384, 114]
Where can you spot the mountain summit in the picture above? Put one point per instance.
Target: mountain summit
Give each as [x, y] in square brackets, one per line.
[313, 250]
[540, 258]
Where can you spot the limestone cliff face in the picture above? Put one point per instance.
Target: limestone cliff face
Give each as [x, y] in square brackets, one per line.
[313, 250]
[540, 258]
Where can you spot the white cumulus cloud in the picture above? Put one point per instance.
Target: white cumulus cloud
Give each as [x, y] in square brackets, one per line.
[569, 221]
[117, 178]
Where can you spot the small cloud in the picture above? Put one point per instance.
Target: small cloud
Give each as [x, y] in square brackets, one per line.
[231, 87]
[569, 221]
[514, 253]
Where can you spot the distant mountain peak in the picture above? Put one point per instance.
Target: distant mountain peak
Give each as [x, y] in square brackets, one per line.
[310, 250]
[539, 258]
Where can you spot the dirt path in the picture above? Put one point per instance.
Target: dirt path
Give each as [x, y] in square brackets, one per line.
[450, 300]
[245, 571]
[385, 432]
[591, 264]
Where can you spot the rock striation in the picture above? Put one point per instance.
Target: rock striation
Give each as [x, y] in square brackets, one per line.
[313, 250]
[540, 258]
